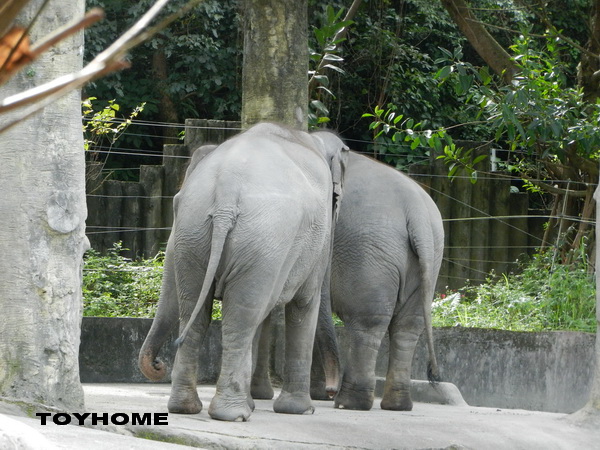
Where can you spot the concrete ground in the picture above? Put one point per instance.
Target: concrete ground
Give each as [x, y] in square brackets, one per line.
[428, 426]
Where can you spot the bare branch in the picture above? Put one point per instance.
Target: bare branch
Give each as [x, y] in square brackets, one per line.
[15, 63]
[91, 17]
[108, 61]
[9, 10]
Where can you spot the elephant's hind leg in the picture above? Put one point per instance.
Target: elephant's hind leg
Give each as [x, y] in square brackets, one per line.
[184, 397]
[358, 381]
[261, 387]
[405, 329]
[300, 324]
[241, 320]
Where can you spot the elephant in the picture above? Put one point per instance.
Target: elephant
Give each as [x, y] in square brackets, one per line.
[387, 252]
[252, 226]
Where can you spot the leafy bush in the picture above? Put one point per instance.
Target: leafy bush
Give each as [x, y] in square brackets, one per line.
[543, 296]
[115, 286]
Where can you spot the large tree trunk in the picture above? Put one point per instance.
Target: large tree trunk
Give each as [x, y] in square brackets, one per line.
[589, 80]
[588, 73]
[275, 67]
[483, 42]
[42, 238]
[589, 415]
[167, 110]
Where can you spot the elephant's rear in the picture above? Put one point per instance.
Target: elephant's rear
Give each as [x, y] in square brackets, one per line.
[387, 253]
[276, 196]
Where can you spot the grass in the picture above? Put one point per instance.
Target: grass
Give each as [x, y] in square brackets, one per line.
[541, 296]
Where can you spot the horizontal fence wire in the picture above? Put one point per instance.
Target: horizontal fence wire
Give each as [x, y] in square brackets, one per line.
[470, 264]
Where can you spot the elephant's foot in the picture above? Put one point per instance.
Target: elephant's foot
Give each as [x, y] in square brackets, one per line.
[184, 402]
[298, 403]
[397, 400]
[230, 409]
[352, 397]
[261, 389]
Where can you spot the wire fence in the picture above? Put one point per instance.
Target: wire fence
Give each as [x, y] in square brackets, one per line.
[488, 226]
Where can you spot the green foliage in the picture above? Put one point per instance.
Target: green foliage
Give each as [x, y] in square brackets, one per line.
[324, 54]
[202, 53]
[542, 296]
[101, 130]
[115, 286]
[539, 114]
[413, 142]
[101, 126]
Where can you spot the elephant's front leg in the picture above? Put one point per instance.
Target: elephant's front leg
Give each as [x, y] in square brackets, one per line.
[300, 325]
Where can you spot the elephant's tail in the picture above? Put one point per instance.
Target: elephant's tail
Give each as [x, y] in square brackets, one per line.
[222, 224]
[423, 241]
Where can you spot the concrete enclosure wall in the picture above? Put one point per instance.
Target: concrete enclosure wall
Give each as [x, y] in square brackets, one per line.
[538, 371]
[551, 371]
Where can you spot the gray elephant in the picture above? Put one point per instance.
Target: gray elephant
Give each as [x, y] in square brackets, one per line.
[387, 252]
[252, 225]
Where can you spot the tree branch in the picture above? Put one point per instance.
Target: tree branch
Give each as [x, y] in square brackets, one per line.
[109, 60]
[482, 41]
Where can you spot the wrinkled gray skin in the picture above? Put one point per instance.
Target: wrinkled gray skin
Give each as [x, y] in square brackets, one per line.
[387, 252]
[252, 226]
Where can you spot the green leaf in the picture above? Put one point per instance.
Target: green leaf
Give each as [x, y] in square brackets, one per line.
[336, 68]
[446, 52]
[479, 159]
[473, 177]
[416, 142]
[332, 57]
[323, 79]
[444, 72]
[319, 106]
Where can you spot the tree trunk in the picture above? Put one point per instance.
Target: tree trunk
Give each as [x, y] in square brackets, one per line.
[42, 240]
[275, 67]
[588, 71]
[483, 42]
[167, 110]
[589, 415]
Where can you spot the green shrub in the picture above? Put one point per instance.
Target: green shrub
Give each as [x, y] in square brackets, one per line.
[116, 286]
[542, 296]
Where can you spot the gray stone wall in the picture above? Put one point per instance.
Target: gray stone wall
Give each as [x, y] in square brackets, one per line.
[537, 371]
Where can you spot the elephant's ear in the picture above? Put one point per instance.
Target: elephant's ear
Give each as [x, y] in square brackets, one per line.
[336, 154]
[198, 156]
[339, 163]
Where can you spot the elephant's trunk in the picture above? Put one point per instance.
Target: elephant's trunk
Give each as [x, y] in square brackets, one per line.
[167, 316]
[326, 341]
[151, 366]
[332, 373]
